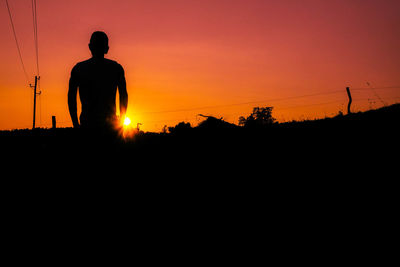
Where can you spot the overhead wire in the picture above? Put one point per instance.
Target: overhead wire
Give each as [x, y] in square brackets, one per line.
[378, 97]
[163, 121]
[244, 103]
[36, 44]
[35, 34]
[17, 43]
[273, 100]
[369, 88]
[263, 101]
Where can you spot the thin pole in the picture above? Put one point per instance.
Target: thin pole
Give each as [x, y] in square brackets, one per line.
[34, 102]
[350, 100]
[53, 122]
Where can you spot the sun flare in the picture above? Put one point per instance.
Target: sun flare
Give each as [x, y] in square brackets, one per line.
[127, 121]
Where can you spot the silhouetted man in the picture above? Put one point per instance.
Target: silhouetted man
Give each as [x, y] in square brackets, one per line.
[98, 79]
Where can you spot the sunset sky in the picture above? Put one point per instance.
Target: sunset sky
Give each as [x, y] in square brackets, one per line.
[213, 57]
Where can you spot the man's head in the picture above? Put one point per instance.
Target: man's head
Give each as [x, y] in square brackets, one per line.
[98, 44]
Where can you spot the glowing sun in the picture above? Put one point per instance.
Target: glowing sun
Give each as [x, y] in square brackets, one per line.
[127, 121]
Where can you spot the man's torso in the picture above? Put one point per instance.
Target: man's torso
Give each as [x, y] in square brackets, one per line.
[97, 81]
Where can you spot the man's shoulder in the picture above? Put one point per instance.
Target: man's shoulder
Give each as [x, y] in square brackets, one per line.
[81, 64]
[88, 64]
[114, 66]
[113, 63]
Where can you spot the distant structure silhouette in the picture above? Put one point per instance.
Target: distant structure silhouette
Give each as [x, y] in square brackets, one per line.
[97, 80]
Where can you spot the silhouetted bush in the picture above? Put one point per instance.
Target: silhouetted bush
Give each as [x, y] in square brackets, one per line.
[260, 117]
[181, 127]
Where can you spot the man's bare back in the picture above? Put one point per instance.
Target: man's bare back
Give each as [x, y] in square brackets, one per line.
[97, 80]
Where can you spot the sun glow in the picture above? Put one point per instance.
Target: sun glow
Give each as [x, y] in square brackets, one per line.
[127, 131]
[127, 121]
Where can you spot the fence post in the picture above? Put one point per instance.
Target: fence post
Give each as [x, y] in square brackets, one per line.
[53, 122]
[350, 100]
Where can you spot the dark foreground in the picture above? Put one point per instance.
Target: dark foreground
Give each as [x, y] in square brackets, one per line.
[314, 190]
[366, 140]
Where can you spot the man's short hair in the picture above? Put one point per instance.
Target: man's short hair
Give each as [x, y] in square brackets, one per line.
[99, 38]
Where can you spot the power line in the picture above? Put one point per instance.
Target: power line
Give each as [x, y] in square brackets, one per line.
[16, 42]
[264, 101]
[243, 103]
[310, 105]
[36, 43]
[379, 88]
[35, 34]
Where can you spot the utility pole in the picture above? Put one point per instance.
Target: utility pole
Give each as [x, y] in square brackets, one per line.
[34, 99]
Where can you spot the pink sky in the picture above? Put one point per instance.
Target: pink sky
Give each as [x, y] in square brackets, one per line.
[180, 56]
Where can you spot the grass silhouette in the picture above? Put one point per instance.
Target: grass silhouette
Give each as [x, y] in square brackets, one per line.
[343, 138]
[332, 168]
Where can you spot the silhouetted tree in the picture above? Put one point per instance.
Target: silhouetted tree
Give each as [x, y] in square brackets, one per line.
[261, 116]
[180, 127]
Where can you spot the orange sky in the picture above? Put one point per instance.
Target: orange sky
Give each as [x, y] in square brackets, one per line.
[212, 57]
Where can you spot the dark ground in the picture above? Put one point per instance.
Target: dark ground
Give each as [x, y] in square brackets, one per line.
[318, 190]
[366, 140]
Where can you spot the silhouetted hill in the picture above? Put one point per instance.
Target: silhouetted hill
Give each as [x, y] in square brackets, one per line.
[297, 173]
[358, 137]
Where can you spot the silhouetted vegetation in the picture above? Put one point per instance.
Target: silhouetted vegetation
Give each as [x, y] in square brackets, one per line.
[260, 117]
[181, 127]
[214, 124]
[258, 144]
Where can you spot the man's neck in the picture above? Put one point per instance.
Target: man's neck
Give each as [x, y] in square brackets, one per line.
[98, 57]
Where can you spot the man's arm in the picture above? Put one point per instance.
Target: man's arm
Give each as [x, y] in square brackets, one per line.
[123, 95]
[72, 91]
